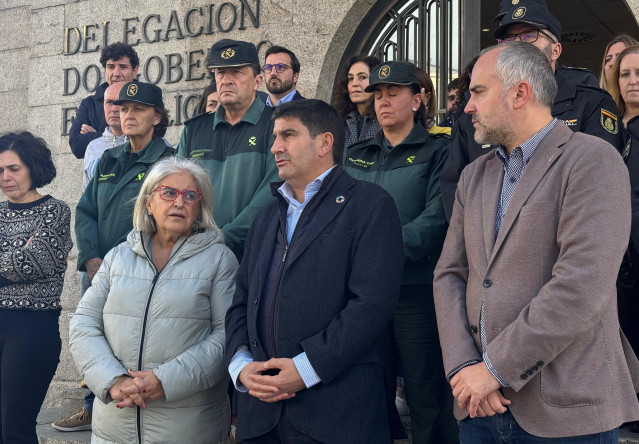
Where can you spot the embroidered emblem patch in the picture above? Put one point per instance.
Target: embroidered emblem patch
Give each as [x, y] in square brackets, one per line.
[384, 71]
[340, 199]
[609, 121]
[515, 2]
[253, 141]
[519, 12]
[410, 159]
[228, 54]
[132, 90]
[571, 122]
[141, 176]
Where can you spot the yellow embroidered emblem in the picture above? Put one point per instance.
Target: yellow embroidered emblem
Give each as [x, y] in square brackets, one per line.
[410, 159]
[228, 54]
[132, 90]
[384, 71]
[253, 141]
[609, 121]
[515, 2]
[519, 12]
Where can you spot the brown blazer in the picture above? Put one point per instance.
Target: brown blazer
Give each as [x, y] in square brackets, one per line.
[547, 284]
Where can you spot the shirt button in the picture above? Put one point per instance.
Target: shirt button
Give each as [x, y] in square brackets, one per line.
[487, 283]
[254, 343]
[255, 301]
[473, 329]
[513, 179]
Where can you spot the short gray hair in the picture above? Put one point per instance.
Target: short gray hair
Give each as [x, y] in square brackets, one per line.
[145, 223]
[520, 61]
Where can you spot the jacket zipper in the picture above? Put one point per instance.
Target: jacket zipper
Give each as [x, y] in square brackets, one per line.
[146, 313]
[275, 291]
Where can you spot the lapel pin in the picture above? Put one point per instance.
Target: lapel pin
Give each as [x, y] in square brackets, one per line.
[339, 199]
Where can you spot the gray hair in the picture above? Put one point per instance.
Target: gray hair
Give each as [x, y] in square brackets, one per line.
[145, 223]
[520, 61]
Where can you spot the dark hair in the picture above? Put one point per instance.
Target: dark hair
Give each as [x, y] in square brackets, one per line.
[453, 84]
[318, 117]
[159, 130]
[341, 100]
[116, 51]
[33, 152]
[201, 105]
[464, 80]
[423, 114]
[295, 64]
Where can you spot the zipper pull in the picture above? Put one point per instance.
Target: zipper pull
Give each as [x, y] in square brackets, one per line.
[155, 278]
[285, 252]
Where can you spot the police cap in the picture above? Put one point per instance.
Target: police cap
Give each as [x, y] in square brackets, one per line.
[393, 73]
[227, 52]
[531, 12]
[140, 92]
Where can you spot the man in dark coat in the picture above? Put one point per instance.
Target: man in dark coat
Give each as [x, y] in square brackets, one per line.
[120, 63]
[282, 69]
[317, 285]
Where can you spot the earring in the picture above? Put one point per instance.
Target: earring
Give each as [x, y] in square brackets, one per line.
[414, 109]
[149, 213]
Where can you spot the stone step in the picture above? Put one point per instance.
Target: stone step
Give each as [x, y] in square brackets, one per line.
[48, 435]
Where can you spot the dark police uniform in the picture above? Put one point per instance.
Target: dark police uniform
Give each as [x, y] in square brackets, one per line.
[628, 282]
[580, 103]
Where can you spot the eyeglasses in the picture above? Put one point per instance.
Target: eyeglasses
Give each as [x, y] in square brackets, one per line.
[529, 36]
[280, 67]
[190, 197]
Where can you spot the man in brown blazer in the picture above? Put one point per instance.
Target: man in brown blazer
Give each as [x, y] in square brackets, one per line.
[525, 286]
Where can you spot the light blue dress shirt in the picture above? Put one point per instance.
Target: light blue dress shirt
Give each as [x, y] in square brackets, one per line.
[243, 356]
[286, 98]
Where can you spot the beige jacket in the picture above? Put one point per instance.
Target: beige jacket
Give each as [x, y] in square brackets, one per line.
[547, 284]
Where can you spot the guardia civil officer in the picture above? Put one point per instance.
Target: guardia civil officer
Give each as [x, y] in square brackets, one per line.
[580, 103]
[233, 145]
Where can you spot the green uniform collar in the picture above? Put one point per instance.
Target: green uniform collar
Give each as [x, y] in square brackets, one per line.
[149, 154]
[418, 135]
[251, 116]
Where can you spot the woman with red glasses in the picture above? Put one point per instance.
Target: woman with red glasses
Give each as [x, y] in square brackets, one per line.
[148, 336]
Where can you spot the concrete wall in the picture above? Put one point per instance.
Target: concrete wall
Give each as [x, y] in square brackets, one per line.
[33, 63]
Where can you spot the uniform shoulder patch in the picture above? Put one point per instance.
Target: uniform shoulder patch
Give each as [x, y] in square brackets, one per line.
[609, 121]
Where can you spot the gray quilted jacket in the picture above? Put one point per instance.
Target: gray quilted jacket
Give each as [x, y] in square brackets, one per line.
[171, 323]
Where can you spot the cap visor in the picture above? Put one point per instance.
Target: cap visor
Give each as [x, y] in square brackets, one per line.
[371, 86]
[238, 65]
[120, 102]
[499, 32]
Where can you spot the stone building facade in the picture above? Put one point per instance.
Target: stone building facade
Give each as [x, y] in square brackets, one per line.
[50, 61]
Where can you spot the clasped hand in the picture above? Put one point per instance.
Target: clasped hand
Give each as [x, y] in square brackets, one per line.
[269, 388]
[136, 389]
[477, 390]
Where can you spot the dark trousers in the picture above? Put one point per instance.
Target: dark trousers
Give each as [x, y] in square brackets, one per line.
[29, 355]
[429, 395]
[283, 433]
[503, 429]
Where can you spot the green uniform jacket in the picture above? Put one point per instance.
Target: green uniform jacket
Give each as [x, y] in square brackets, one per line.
[239, 162]
[104, 215]
[410, 174]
